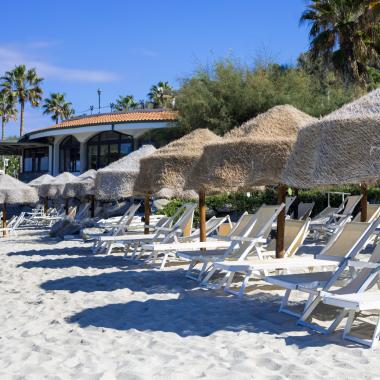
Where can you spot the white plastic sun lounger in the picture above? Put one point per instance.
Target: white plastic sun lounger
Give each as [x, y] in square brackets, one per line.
[100, 243]
[177, 226]
[365, 277]
[166, 250]
[253, 236]
[13, 225]
[356, 304]
[336, 220]
[344, 245]
[295, 234]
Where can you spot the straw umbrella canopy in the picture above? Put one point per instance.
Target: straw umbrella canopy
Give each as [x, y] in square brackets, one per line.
[116, 181]
[251, 155]
[38, 182]
[170, 165]
[13, 191]
[82, 186]
[341, 148]
[55, 188]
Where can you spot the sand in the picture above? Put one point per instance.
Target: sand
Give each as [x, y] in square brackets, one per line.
[66, 314]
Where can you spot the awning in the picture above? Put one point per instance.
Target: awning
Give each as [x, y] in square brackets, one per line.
[16, 148]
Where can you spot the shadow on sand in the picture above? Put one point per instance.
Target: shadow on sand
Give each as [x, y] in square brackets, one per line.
[198, 313]
[148, 281]
[68, 251]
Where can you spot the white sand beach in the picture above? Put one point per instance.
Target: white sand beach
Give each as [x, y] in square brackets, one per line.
[66, 314]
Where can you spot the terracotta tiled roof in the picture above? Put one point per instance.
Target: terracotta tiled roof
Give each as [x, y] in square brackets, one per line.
[120, 117]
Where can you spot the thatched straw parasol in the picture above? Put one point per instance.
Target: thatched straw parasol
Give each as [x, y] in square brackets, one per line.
[13, 191]
[251, 155]
[170, 165]
[116, 181]
[341, 148]
[54, 189]
[82, 186]
[38, 182]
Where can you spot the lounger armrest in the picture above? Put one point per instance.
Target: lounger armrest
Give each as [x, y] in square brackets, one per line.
[363, 264]
[340, 215]
[247, 239]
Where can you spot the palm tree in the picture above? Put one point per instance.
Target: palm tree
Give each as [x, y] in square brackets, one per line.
[25, 85]
[345, 33]
[8, 110]
[58, 107]
[161, 95]
[124, 103]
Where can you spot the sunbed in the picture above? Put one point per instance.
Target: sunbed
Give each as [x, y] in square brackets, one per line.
[253, 236]
[177, 226]
[261, 262]
[365, 277]
[345, 244]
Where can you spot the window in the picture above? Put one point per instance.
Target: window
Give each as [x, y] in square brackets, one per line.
[107, 147]
[36, 160]
[69, 155]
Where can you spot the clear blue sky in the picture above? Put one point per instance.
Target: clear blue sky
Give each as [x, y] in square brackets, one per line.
[124, 46]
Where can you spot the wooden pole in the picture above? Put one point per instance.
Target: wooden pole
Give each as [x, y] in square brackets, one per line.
[296, 203]
[4, 219]
[364, 202]
[46, 205]
[92, 207]
[202, 215]
[280, 244]
[147, 212]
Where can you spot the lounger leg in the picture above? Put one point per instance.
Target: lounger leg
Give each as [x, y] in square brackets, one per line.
[307, 313]
[337, 321]
[202, 271]
[376, 333]
[163, 263]
[244, 284]
[285, 303]
[206, 280]
[109, 249]
[350, 321]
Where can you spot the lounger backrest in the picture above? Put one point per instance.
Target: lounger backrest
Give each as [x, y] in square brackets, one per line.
[240, 225]
[177, 230]
[288, 202]
[259, 228]
[211, 225]
[265, 216]
[304, 210]
[365, 278]
[373, 212]
[345, 241]
[352, 202]
[126, 219]
[295, 234]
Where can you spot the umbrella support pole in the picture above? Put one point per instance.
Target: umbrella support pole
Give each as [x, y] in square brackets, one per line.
[66, 206]
[364, 202]
[46, 205]
[92, 207]
[202, 215]
[280, 237]
[147, 212]
[296, 203]
[4, 219]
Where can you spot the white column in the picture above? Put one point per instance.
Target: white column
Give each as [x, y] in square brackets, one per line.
[51, 159]
[83, 157]
[57, 141]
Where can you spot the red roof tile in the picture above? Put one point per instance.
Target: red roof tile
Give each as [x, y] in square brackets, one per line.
[122, 117]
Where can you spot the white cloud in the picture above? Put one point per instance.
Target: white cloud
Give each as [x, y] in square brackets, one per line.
[10, 57]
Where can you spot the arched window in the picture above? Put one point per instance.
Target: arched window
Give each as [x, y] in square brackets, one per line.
[107, 147]
[69, 155]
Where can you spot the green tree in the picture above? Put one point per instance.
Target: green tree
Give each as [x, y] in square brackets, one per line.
[57, 106]
[161, 95]
[7, 109]
[346, 33]
[125, 103]
[25, 85]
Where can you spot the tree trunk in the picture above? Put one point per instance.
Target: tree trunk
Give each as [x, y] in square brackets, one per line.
[3, 128]
[22, 108]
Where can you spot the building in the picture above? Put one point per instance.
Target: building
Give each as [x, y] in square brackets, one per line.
[85, 142]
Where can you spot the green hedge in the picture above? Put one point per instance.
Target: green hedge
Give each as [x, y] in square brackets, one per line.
[237, 203]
